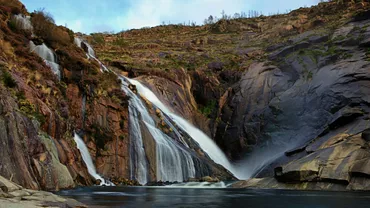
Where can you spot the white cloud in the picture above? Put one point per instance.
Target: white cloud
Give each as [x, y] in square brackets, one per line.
[151, 13]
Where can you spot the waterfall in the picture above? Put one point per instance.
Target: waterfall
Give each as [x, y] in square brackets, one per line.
[88, 161]
[23, 22]
[48, 55]
[90, 53]
[173, 162]
[206, 143]
[138, 161]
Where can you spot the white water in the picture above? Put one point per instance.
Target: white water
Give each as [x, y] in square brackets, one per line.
[90, 53]
[173, 162]
[206, 143]
[88, 161]
[198, 185]
[23, 22]
[48, 55]
[138, 161]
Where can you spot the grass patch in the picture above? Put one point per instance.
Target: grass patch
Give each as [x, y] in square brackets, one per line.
[209, 108]
[8, 80]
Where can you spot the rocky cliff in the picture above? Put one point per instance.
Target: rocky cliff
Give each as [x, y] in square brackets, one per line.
[39, 113]
[50, 89]
[286, 94]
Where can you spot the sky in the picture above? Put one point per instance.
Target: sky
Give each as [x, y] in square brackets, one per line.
[117, 15]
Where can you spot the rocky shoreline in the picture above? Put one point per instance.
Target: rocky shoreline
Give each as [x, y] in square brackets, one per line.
[13, 195]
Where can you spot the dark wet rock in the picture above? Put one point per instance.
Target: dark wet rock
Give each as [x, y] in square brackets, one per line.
[344, 116]
[295, 150]
[3, 187]
[365, 43]
[287, 50]
[216, 66]
[318, 39]
[275, 47]
[360, 16]
[133, 88]
[366, 135]
[160, 183]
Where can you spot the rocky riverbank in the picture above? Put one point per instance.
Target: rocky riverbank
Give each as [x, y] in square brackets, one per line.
[13, 195]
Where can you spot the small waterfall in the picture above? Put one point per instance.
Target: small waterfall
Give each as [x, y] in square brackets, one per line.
[23, 22]
[206, 143]
[90, 53]
[78, 41]
[48, 55]
[88, 161]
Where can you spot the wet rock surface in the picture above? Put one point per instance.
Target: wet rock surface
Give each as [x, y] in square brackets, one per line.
[297, 96]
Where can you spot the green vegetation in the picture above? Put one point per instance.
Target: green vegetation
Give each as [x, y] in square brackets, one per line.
[120, 42]
[8, 79]
[209, 108]
[98, 38]
[27, 108]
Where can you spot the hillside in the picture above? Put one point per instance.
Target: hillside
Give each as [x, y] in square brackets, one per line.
[284, 96]
[268, 90]
[53, 88]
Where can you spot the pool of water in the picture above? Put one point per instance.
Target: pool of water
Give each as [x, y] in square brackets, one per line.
[139, 197]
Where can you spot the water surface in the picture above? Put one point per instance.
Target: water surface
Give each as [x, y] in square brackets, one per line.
[214, 197]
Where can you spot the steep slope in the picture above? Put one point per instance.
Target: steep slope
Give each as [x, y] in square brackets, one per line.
[52, 87]
[271, 89]
[40, 113]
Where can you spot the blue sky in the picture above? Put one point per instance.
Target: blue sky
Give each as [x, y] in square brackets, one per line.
[116, 15]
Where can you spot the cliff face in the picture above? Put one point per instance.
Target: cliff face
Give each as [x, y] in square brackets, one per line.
[39, 114]
[44, 101]
[287, 93]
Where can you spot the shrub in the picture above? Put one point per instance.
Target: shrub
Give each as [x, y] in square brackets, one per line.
[209, 108]
[120, 42]
[119, 96]
[11, 6]
[98, 38]
[8, 80]
[44, 27]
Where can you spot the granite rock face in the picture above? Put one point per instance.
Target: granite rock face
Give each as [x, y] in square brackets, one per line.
[304, 92]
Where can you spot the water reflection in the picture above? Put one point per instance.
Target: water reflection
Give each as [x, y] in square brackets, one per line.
[217, 197]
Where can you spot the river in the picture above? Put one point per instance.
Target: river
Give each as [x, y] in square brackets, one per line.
[141, 197]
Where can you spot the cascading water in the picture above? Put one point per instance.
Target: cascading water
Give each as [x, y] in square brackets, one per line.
[211, 148]
[48, 55]
[90, 53]
[88, 161]
[173, 162]
[23, 22]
